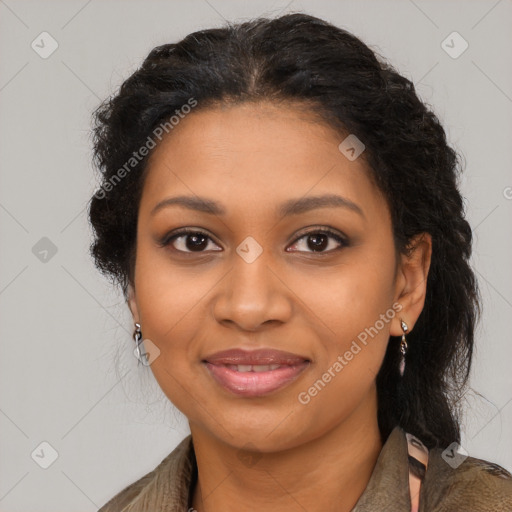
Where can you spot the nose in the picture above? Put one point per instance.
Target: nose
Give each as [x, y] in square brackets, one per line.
[252, 295]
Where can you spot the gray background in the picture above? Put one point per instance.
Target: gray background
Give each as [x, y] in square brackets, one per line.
[63, 327]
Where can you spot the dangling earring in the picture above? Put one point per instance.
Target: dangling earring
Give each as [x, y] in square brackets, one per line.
[137, 336]
[403, 347]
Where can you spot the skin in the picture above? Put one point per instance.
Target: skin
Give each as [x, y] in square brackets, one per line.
[271, 453]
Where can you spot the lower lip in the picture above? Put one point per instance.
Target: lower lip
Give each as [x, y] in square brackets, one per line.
[251, 384]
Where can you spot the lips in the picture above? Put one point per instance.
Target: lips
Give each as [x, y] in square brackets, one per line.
[256, 372]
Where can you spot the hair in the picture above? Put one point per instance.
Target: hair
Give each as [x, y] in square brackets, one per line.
[327, 71]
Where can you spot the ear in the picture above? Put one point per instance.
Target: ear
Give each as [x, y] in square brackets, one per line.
[411, 282]
[132, 304]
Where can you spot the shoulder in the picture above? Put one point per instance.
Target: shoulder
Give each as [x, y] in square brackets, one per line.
[468, 484]
[170, 477]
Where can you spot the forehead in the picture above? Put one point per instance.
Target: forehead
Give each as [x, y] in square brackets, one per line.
[255, 153]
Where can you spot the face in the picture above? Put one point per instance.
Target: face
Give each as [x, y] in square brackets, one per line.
[249, 261]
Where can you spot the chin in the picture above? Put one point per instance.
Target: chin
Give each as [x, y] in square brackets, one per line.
[261, 430]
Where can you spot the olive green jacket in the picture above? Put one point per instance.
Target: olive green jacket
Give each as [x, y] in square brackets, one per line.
[473, 486]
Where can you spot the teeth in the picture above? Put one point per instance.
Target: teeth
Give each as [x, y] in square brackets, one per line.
[261, 368]
[253, 367]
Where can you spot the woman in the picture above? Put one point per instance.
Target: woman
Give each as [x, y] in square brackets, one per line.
[282, 213]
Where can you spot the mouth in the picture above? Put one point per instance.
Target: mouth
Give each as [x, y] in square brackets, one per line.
[255, 373]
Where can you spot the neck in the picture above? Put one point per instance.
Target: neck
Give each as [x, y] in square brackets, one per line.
[328, 473]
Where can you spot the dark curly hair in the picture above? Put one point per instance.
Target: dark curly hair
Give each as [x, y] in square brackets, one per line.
[325, 70]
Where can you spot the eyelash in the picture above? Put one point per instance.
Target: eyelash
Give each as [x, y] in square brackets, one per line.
[168, 239]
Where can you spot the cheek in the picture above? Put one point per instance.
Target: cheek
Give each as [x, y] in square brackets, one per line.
[358, 312]
[170, 301]
[351, 297]
[169, 307]
[166, 293]
[354, 308]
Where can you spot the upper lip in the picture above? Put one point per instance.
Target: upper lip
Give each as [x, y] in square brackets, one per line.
[261, 356]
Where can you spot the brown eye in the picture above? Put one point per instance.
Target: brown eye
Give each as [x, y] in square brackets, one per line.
[320, 241]
[188, 241]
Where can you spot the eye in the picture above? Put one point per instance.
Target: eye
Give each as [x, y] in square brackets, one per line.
[320, 239]
[188, 241]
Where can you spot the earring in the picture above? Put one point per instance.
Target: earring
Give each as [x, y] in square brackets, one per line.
[137, 336]
[403, 347]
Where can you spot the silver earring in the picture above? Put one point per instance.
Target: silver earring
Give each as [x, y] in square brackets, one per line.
[403, 347]
[137, 336]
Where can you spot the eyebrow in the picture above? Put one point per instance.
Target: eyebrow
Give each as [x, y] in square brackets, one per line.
[290, 207]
